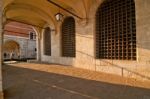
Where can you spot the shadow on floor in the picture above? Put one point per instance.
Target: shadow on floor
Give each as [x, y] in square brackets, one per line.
[20, 83]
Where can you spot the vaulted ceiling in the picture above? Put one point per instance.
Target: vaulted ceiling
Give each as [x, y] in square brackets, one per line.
[41, 12]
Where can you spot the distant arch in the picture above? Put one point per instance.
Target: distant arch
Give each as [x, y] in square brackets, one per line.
[11, 45]
[12, 48]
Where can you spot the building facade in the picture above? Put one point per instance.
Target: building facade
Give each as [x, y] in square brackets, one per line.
[19, 42]
[114, 39]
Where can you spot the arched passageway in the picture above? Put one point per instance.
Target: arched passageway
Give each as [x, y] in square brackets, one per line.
[122, 32]
[114, 41]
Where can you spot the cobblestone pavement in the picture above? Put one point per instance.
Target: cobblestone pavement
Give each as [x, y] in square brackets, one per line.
[39, 81]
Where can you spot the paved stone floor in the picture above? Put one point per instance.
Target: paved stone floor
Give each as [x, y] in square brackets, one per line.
[39, 81]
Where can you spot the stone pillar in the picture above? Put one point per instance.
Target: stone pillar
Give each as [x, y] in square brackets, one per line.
[1, 54]
[38, 49]
[38, 43]
[58, 32]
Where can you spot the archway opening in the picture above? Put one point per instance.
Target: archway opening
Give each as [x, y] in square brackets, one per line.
[11, 50]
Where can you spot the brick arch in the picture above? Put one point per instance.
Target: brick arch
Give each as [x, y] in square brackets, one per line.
[42, 14]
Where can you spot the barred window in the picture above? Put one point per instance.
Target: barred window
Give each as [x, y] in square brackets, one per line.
[116, 30]
[68, 37]
[31, 35]
[47, 41]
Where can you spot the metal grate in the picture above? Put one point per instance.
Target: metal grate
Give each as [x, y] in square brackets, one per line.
[47, 41]
[116, 30]
[31, 36]
[68, 37]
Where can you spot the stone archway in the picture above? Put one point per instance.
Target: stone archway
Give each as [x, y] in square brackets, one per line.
[11, 50]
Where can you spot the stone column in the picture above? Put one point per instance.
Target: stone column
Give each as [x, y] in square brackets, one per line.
[58, 32]
[38, 49]
[1, 54]
[38, 43]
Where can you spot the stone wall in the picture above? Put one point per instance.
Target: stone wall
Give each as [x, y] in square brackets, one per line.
[27, 46]
[85, 47]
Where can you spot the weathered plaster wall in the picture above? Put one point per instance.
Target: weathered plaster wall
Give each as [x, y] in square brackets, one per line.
[143, 30]
[85, 47]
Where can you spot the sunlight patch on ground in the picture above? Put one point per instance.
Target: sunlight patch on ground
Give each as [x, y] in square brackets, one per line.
[9, 62]
[84, 74]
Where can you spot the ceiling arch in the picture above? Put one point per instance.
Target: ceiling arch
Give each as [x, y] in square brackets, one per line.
[39, 12]
[27, 10]
[79, 7]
